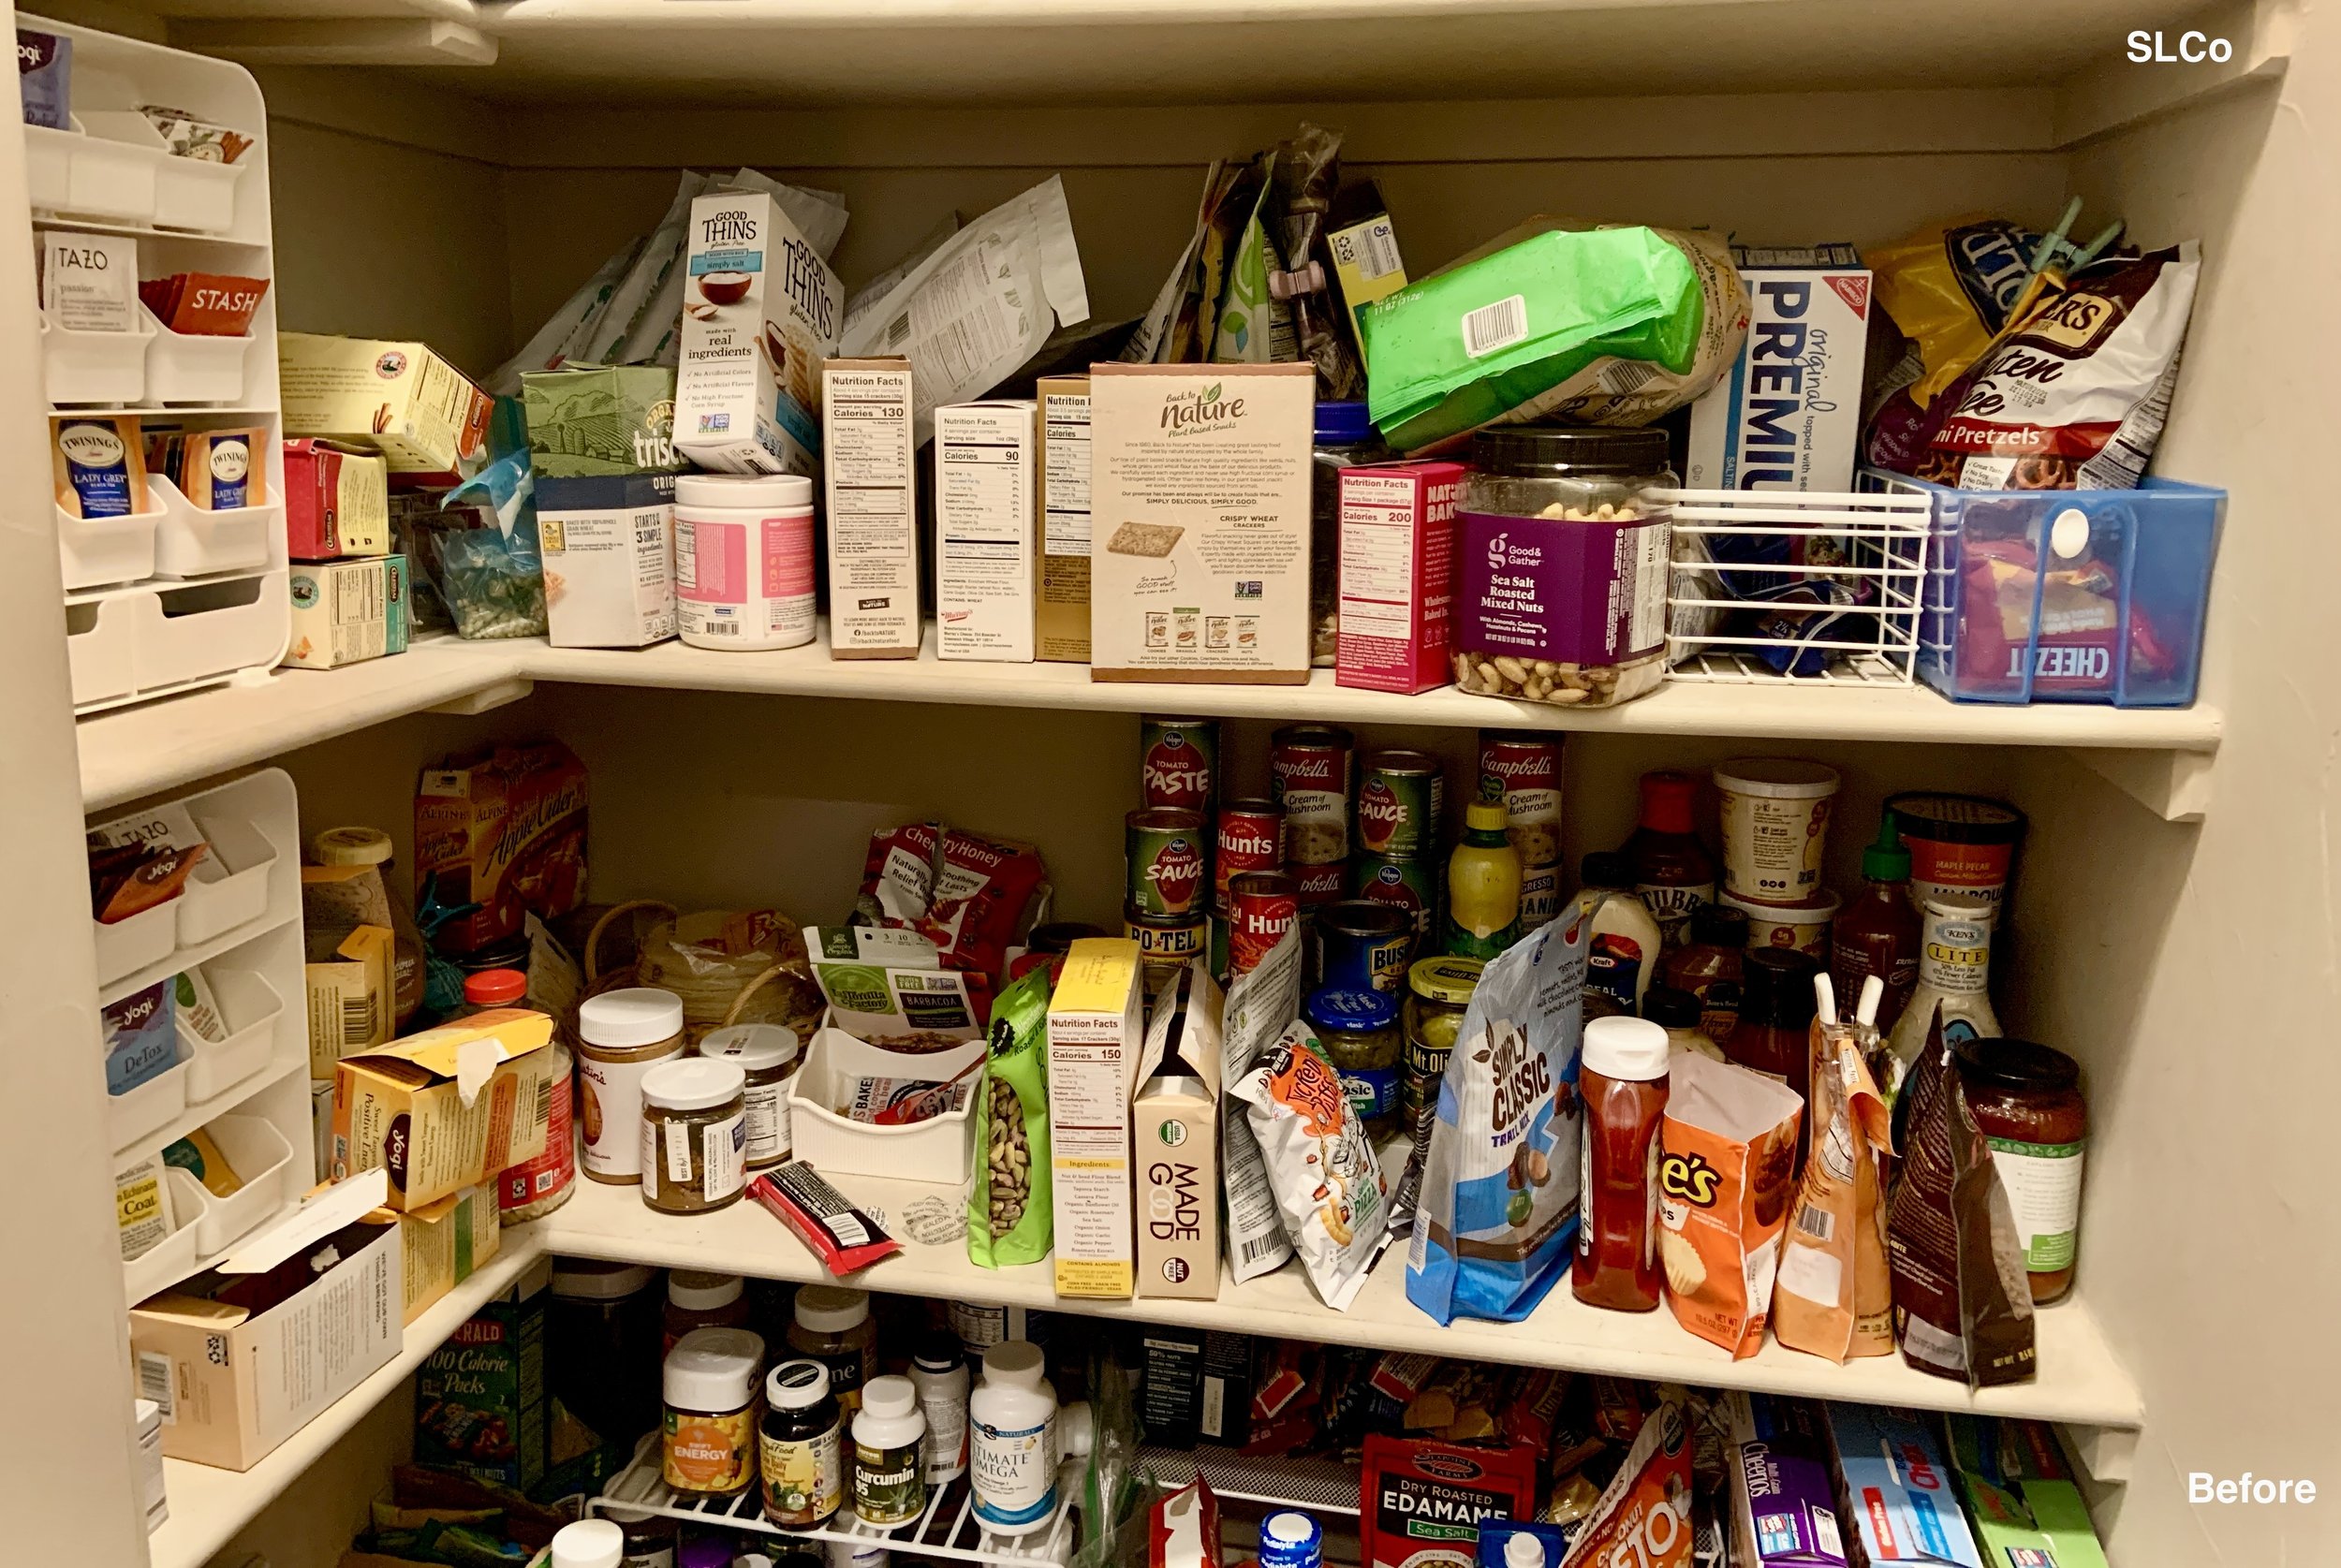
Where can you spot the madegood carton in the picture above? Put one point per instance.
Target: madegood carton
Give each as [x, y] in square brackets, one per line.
[1788, 414]
[760, 312]
[1397, 576]
[1062, 630]
[446, 1109]
[1175, 1122]
[398, 399]
[1094, 1036]
[987, 528]
[872, 486]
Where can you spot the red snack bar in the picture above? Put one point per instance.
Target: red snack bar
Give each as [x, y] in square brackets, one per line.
[844, 1238]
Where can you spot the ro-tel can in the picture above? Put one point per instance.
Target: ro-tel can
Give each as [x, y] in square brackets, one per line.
[1251, 839]
[1521, 773]
[1410, 886]
[1178, 763]
[1288, 1539]
[1319, 885]
[1166, 864]
[1261, 907]
[1166, 943]
[1364, 945]
[1400, 797]
[1310, 774]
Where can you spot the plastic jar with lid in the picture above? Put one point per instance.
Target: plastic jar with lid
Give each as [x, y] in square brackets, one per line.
[939, 1373]
[588, 1544]
[1012, 1455]
[709, 1436]
[370, 847]
[1437, 992]
[1345, 438]
[695, 1136]
[1359, 1030]
[743, 560]
[889, 1483]
[698, 1299]
[487, 989]
[802, 1450]
[831, 1325]
[602, 1350]
[770, 1054]
[622, 1034]
[2025, 1099]
[1564, 569]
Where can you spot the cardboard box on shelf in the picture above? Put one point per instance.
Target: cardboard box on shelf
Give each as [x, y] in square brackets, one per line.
[503, 830]
[442, 1243]
[398, 399]
[588, 420]
[2020, 1493]
[1788, 413]
[872, 485]
[987, 525]
[1893, 1490]
[345, 612]
[1398, 576]
[760, 312]
[1062, 620]
[480, 1399]
[240, 1369]
[337, 500]
[1176, 1134]
[446, 1109]
[1094, 1035]
[609, 554]
[346, 918]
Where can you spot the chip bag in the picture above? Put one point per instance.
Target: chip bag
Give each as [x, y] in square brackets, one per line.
[1010, 1215]
[1329, 1186]
[1726, 1177]
[1834, 1297]
[1644, 1515]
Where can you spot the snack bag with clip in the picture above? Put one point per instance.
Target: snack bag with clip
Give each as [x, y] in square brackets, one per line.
[1329, 1186]
[1644, 1515]
[1009, 1209]
[1833, 1295]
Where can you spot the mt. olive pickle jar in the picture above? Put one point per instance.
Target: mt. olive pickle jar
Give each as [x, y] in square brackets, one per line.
[694, 1135]
[803, 1447]
[1437, 992]
[1563, 561]
[2026, 1101]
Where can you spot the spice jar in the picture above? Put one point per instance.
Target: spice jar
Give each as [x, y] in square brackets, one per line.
[889, 1482]
[1622, 1079]
[694, 1135]
[1359, 1030]
[769, 1054]
[708, 1435]
[1563, 560]
[831, 1325]
[803, 1448]
[697, 1299]
[1437, 992]
[2025, 1099]
[622, 1034]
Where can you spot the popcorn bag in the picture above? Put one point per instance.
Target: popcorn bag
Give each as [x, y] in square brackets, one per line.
[1725, 1182]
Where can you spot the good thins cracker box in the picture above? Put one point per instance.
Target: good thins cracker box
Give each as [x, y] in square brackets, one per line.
[1096, 1033]
[760, 311]
[1199, 522]
[1787, 415]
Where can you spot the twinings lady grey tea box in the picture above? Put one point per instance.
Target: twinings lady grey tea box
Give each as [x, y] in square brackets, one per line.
[760, 311]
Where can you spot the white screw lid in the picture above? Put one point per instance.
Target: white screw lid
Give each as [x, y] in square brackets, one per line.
[1634, 1050]
[1523, 1550]
[1015, 1361]
[351, 846]
[693, 1083]
[797, 1384]
[787, 492]
[832, 1309]
[588, 1544]
[888, 1397]
[637, 1015]
[713, 1370]
[697, 1292]
[577, 1280]
[756, 1047]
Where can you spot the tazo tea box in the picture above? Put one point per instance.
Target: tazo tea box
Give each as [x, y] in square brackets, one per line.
[872, 483]
[1789, 413]
[1062, 620]
[1397, 576]
[609, 549]
[986, 529]
[89, 282]
[761, 314]
[1095, 1037]
[1175, 1124]
[1199, 497]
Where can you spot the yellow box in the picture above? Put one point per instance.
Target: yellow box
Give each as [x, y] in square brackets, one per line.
[442, 1243]
[448, 1108]
[1095, 1030]
[399, 399]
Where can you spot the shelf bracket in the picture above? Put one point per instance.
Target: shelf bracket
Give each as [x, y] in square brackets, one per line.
[356, 42]
[2108, 1453]
[2174, 785]
[500, 694]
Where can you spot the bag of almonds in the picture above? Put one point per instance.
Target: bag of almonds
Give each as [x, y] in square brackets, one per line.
[1010, 1216]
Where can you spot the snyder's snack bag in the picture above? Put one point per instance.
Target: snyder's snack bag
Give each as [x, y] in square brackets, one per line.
[1835, 1296]
[1645, 1516]
[1329, 1186]
[1725, 1182]
[1499, 1184]
[1010, 1218]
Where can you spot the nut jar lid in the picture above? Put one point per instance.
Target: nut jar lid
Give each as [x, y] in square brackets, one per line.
[759, 1047]
[697, 1291]
[351, 846]
[693, 1083]
[713, 1370]
[1564, 451]
[832, 1309]
[635, 1016]
[797, 1385]
[788, 492]
[1450, 980]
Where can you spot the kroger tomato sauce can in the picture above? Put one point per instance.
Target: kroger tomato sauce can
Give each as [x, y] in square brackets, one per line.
[1178, 763]
[1410, 886]
[1169, 867]
[1399, 797]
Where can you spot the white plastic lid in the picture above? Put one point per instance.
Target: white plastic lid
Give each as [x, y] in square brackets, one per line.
[832, 1309]
[888, 1397]
[1014, 1361]
[1288, 1527]
[580, 1281]
[694, 1291]
[783, 492]
[1779, 778]
[1076, 1429]
[693, 1083]
[588, 1544]
[351, 846]
[1523, 1550]
[797, 1384]
[756, 1047]
[1633, 1049]
[637, 1015]
[713, 1370]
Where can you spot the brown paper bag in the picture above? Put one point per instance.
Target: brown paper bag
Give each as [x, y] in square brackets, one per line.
[1835, 1296]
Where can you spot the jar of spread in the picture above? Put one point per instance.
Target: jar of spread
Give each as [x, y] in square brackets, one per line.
[769, 1054]
[696, 1299]
[2025, 1099]
[1438, 990]
[694, 1135]
[708, 1440]
[802, 1446]
[1359, 1030]
[1708, 966]
[622, 1034]
[831, 1325]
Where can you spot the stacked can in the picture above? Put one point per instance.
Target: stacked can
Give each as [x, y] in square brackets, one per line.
[1312, 773]
[1521, 771]
[1253, 902]
[1168, 845]
[1402, 796]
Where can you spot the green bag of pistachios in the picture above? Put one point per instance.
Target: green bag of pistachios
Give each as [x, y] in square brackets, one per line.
[1010, 1218]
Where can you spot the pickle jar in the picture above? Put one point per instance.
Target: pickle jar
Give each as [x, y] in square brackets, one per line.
[1359, 1030]
[1563, 554]
[1437, 992]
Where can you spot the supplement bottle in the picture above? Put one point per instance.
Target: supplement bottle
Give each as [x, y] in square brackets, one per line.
[831, 1325]
[710, 1434]
[939, 1373]
[1012, 1455]
[800, 1451]
[889, 1485]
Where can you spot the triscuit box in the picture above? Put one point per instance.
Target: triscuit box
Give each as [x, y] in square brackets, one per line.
[760, 312]
[1094, 1036]
[587, 421]
[242, 1368]
[442, 1243]
[987, 556]
[337, 500]
[1788, 413]
[446, 1109]
[480, 1402]
[871, 481]
[1062, 619]
[1199, 491]
[398, 399]
[609, 554]
[345, 612]
[1175, 1124]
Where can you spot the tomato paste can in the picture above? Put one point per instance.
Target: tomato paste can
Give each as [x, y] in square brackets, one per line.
[1311, 774]
[1317, 884]
[1521, 773]
[1261, 907]
[1178, 763]
[1400, 795]
[1364, 945]
[1251, 839]
[1411, 887]
[1167, 862]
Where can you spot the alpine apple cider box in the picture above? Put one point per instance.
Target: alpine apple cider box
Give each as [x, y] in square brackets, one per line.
[1397, 576]
[760, 311]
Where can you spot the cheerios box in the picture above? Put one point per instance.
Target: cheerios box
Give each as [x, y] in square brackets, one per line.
[1095, 1036]
[1174, 1135]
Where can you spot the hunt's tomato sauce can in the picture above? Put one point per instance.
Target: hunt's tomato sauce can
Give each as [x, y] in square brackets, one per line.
[1168, 862]
[1178, 763]
[1261, 907]
[1251, 839]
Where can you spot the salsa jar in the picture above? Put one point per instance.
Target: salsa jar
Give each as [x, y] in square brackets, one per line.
[2025, 1099]
[1564, 564]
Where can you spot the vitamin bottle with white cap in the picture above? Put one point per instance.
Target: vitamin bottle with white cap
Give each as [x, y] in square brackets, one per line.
[588, 1544]
[743, 560]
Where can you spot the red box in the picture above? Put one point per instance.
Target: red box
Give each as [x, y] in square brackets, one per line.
[1398, 576]
[337, 500]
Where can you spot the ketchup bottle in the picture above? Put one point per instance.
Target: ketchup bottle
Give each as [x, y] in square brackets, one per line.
[1622, 1079]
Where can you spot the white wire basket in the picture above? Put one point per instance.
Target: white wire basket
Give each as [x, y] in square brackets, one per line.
[1862, 556]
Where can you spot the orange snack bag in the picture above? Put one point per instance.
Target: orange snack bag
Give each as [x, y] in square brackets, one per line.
[1725, 1178]
[1643, 1519]
[1835, 1296]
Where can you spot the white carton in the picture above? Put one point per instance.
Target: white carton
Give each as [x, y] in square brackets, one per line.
[872, 480]
[986, 529]
[1787, 415]
[761, 314]
[609, 552]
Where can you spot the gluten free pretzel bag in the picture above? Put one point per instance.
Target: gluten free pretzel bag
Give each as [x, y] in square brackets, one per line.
[1725, 1178]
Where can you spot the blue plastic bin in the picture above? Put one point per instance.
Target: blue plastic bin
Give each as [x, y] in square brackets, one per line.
[2070, 596]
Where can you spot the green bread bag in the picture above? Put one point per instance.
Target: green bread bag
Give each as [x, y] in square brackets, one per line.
[1009, 1215]
[1574, 326]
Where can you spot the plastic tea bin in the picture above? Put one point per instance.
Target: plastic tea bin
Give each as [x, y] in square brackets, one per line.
[2094, 596]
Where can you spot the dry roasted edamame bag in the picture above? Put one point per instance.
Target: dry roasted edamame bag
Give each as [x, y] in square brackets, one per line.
[1009, 1216]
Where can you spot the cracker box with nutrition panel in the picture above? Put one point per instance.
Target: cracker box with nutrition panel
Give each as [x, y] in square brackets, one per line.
[871, 475]
[398, 399]
[1096, 1019]
[608, 555]
[1397, 576]
[760, 312]
[1174, 1132]
[987, 529]
[1063, 630]
[448, 1108]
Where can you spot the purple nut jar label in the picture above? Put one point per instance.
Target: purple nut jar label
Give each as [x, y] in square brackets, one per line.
[1571, 592]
